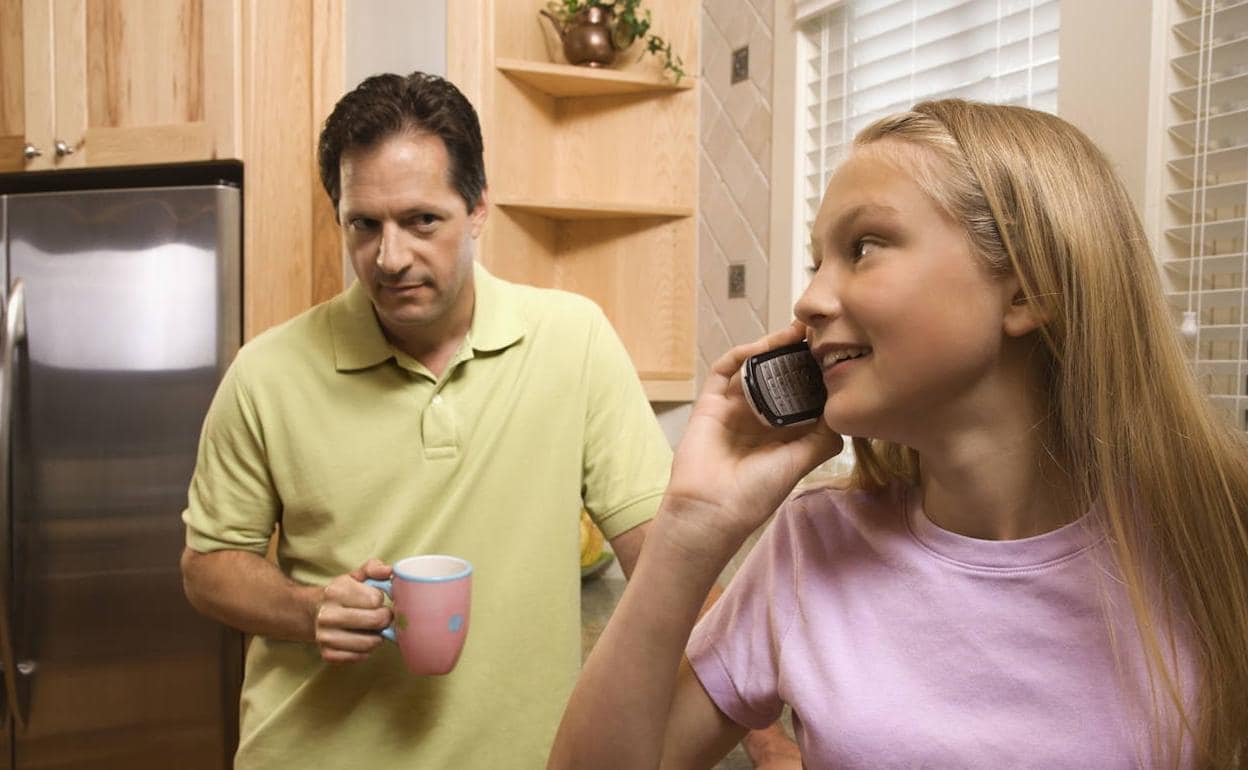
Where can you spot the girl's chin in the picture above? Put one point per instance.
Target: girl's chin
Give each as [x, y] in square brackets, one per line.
[839, 420]
[850, 424]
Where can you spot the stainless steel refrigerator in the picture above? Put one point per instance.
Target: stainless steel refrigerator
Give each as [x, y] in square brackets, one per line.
[122, 311]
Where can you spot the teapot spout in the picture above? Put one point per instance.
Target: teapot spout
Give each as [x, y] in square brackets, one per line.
[554, 22]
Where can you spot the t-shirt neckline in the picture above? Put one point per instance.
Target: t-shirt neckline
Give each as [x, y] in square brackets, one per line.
[1025, 553]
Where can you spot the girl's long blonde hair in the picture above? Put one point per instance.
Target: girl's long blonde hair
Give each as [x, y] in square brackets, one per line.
[1039, 200]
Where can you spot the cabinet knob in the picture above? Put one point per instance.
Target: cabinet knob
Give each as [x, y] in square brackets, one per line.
[29, 152]
[63, 149]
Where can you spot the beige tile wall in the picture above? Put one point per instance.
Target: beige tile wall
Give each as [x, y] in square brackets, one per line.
[735, 186]
[735, 168]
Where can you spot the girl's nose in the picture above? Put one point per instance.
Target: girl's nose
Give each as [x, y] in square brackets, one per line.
[820, 302]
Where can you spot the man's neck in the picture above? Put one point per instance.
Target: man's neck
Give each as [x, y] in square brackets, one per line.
[433, 351]
[437, 361]
[434, 346]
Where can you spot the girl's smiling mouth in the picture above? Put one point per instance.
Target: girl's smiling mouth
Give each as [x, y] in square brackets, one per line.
[833, 356]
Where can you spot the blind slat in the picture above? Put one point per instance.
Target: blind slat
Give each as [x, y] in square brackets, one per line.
[1205, 230]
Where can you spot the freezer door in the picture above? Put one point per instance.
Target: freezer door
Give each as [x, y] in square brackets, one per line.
[131, 315]
[6, 727]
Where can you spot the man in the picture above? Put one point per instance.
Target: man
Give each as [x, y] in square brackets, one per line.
[429, 408]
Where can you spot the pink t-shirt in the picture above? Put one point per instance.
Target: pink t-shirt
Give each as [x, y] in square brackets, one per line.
[901, 645]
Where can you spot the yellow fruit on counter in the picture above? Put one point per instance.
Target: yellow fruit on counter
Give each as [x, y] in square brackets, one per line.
[591, 540]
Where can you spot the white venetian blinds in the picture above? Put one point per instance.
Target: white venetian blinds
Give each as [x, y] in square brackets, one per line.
[1206, 227]
[861, 59]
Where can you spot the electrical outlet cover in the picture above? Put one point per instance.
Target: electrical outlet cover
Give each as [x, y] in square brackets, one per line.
[736, 281]
[740, 64]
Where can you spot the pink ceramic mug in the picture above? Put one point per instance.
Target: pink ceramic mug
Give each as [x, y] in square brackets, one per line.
[431, 597]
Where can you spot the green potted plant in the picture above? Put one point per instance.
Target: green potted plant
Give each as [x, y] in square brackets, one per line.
[593, 31]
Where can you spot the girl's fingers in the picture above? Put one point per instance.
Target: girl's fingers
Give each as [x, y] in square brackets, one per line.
[730, 363]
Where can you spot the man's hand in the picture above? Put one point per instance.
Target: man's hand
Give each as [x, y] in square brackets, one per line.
[351, 614]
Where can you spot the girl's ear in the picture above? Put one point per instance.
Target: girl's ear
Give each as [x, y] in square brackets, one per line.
[1023, 315]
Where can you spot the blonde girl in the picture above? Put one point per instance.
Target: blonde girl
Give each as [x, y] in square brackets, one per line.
[1042, 559]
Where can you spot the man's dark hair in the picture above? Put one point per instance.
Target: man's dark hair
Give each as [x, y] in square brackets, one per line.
[385, 105]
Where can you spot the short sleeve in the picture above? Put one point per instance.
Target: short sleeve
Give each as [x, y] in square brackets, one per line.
[231, 503]
[626, 456]
[735, 649]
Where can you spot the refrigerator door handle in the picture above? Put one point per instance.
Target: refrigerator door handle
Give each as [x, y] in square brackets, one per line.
[14, 334]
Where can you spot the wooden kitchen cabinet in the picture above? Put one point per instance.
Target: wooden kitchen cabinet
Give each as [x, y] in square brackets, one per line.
[20, 80]
[592, 173]
[122, 83]
[119, 82]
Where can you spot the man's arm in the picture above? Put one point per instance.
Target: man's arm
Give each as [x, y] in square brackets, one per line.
[627, 547]
[248, 592]
[769, 748]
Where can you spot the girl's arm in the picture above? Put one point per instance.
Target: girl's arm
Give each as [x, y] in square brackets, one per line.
[636, 703]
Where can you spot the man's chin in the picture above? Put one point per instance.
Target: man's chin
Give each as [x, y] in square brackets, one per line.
[409, 319]
[405, 315]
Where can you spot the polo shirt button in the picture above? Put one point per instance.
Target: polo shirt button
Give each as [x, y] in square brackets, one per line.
[437, 399]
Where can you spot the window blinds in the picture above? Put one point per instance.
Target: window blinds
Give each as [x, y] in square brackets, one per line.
[861, 59]
[1203, 253]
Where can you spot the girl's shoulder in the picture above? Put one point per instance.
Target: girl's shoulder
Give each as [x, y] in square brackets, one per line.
[840, 514]
[842, 495]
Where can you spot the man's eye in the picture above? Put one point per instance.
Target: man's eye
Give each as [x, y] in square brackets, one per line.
[425, 221]
[360, 224]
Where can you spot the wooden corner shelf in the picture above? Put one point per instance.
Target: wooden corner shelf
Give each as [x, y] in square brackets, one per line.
[669, 390]
[572, 211]
[562, 80]
[595, 176]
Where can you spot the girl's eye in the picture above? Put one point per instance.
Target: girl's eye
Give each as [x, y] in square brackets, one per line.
[862, 248]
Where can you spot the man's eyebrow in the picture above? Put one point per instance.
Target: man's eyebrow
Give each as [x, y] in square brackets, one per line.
[417, 209]
[412, 210]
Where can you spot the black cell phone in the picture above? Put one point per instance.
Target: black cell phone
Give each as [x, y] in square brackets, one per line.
[784, 386]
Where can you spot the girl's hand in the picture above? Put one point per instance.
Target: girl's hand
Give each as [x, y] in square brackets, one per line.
[731, 471]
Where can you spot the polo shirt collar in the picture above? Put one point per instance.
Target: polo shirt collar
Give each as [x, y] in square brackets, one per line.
[497, 322]
[359, 343]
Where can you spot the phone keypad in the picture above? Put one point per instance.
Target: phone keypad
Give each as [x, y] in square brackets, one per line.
[794, 383]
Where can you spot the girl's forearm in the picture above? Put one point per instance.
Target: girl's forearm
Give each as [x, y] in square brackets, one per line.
[618, 713]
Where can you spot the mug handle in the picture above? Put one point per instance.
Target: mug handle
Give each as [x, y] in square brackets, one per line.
[385, 587]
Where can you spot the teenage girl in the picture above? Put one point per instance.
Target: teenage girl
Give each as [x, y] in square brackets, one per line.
[1041, 560]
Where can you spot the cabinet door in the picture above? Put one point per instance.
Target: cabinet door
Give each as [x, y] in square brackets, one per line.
[145, 81]
[25, 84]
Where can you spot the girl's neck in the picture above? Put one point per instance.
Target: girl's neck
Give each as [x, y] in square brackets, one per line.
[985, 470]
[996, 490]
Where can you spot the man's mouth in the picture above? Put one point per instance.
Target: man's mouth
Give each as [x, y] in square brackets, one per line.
[404, 286]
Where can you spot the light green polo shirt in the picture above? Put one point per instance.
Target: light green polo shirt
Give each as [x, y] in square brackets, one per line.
[358, 451]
